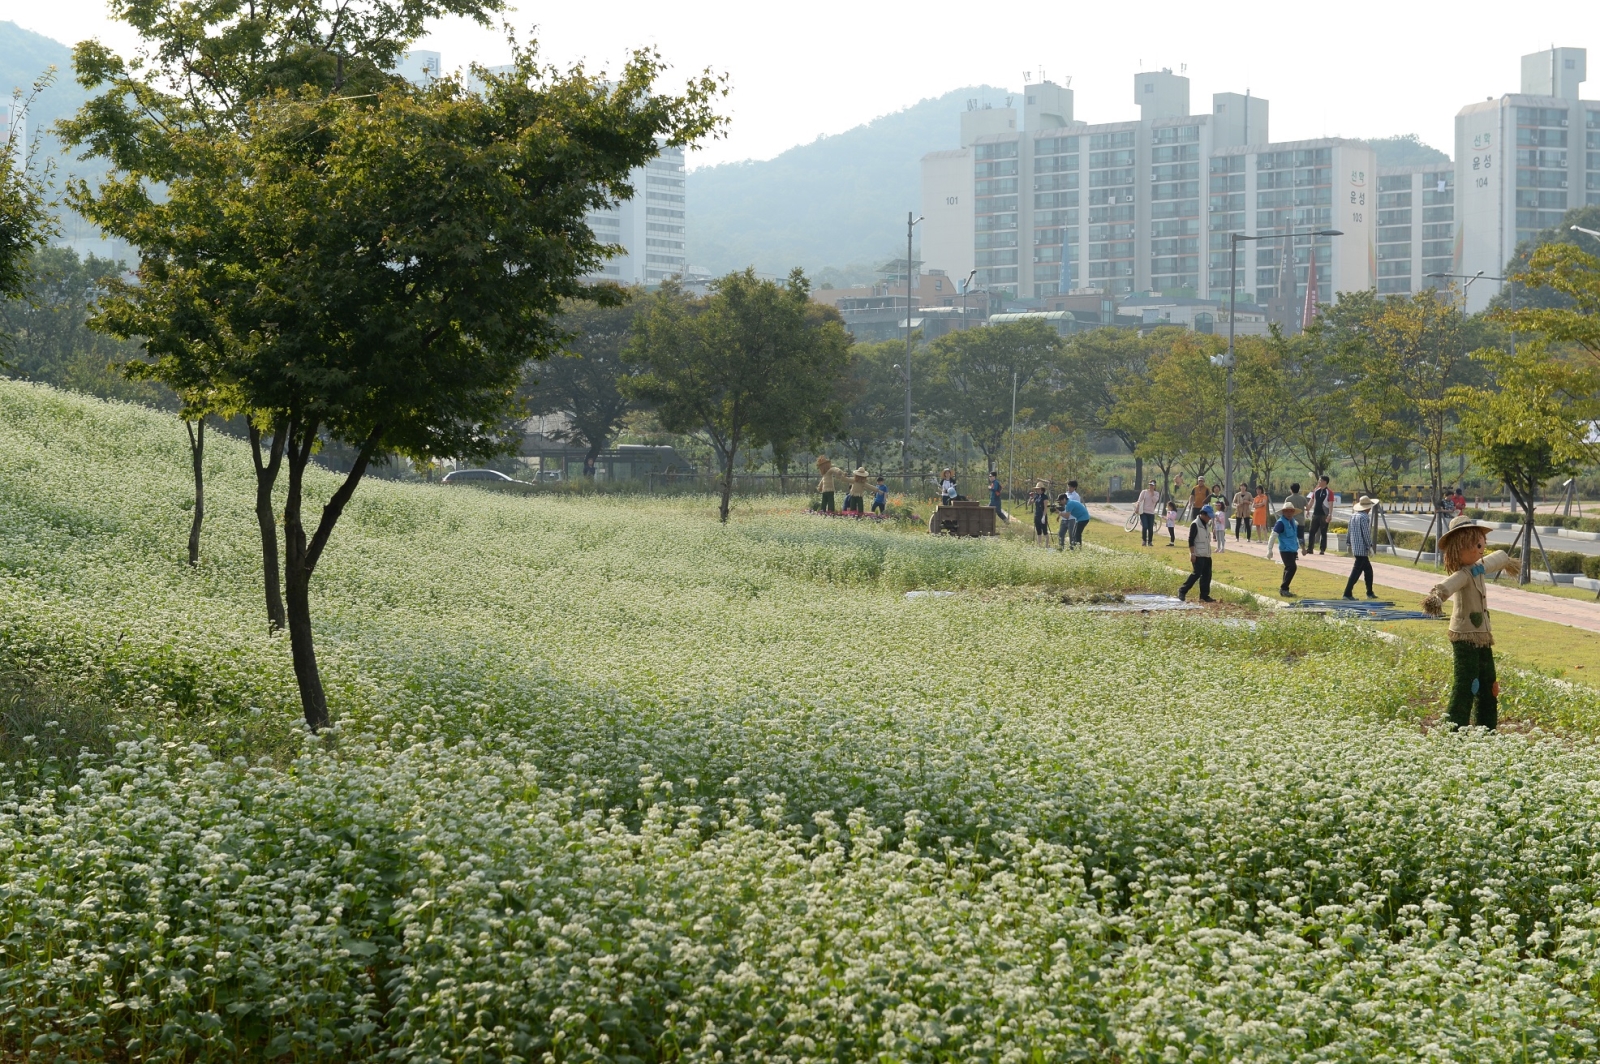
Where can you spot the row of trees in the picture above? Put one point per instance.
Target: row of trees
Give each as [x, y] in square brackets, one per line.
[1380, 384]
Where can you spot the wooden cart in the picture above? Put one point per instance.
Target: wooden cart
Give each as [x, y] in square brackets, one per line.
[964, 517]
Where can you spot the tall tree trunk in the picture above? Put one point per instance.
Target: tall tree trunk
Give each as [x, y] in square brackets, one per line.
[591, 458]
[727, 479]
[1525, 503]
[300, 562]
[1138, 473]
[266, 479]
[197, 453]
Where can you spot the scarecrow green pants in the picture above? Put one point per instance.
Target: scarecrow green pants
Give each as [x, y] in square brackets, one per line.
[1474, 682]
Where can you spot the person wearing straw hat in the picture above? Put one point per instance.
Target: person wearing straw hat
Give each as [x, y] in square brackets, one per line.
[855, 496]
[1461, 548]
[832, 477]
[1286, 538]
[1361, 544]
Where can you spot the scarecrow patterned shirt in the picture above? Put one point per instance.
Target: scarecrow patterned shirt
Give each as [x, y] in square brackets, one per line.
[1469, 621]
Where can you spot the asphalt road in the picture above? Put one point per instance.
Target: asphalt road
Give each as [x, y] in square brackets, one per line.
[1419, 523]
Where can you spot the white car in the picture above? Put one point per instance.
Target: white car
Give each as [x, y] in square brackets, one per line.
[463, 476]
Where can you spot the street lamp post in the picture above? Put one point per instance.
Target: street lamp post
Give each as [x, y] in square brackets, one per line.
[1228, 360]
[905, 444]
[1480, 275]
[966, 286]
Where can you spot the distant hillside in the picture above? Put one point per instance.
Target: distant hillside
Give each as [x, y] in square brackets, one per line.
[1406, 150]
[838, 201]
[24, 55]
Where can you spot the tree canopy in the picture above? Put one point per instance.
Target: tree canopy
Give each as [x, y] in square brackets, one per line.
[755, 363]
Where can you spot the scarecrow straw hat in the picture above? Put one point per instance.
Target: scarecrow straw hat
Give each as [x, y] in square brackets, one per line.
[1460, 525]
[823, 461]
[1363, 504]
[861, 471]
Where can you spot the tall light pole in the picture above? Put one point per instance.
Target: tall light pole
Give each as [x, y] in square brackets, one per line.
[1586, 232]
[966, 286]
[905, 444]
[1228, 360]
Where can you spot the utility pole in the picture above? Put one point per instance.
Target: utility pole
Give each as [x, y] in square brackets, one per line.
[905, 444]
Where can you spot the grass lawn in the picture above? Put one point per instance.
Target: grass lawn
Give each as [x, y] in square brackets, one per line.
[1553, 649]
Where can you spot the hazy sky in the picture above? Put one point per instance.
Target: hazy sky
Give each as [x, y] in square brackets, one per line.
[1352, 69]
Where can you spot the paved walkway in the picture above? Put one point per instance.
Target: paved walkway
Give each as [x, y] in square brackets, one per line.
[1572, 612]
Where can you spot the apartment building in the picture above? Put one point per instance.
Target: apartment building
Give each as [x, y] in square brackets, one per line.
[1418, 241]
[1041, 204]
[650, 227]
[1523, 160]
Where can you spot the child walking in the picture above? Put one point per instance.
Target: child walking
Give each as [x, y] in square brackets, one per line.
[1172, 523]
[1461, 548]
[880, 497]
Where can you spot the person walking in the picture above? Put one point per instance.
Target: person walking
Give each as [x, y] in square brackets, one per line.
[1146, 506]
[880, 498]
[1321, 516]
[994, 497]
[1361, 545]
[1286, 537]
[1461, 549]
[1241, 512]
[1172, 522]
[1200, 496]
[1199, 555]
[1219, 525]
[1258, 510]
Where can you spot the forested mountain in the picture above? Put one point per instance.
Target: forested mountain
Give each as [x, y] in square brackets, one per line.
[839, 201]
[24, 55]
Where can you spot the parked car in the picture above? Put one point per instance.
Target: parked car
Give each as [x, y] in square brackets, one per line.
[463, 476]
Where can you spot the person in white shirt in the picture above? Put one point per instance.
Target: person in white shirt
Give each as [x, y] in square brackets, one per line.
[1148, 504]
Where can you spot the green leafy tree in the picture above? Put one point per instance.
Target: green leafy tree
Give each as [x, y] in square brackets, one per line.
[204, 69]
[1573, 274]
[1310, 393]
[1529, 286]
[1096, 365]
[1262, 406]
[1532, 424]
[51, 341]
[584, 383]
[25, 219]
[874, 400]
[751, 365]
[976, 372]
[381, 269]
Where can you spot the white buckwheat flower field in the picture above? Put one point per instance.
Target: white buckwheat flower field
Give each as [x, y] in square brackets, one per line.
[611, 782]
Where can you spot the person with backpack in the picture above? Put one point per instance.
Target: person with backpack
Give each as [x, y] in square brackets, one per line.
[1286, 538]
[1199, 555]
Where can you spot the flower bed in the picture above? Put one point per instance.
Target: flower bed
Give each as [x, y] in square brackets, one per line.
[612, 781]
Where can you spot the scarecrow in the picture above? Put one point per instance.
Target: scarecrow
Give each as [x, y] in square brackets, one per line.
[1461, 549]
[831, 479]
[855, 496]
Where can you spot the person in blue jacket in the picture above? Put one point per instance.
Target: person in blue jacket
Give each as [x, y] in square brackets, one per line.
[1286, 537]
[1080, 517]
